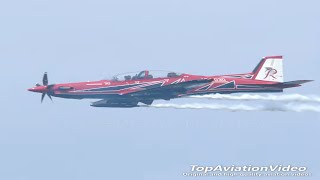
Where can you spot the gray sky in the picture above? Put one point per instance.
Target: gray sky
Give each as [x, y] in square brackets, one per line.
[86, 40]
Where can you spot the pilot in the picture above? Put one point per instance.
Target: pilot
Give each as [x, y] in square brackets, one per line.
[127, 77]
[141, 75]
[135, 77]
[172, 74]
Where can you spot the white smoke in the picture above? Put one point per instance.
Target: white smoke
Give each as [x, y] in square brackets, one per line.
[302, 107]
[239, 107]
[243, 107]
[266, 97]
[266, 102]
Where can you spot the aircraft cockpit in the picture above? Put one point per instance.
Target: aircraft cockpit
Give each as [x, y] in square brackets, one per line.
[145, 75]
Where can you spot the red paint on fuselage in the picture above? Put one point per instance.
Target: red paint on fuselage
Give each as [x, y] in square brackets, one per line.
[38, 89]
[92, 88]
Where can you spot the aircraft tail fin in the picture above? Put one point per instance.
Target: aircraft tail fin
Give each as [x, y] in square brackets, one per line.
[269, 69]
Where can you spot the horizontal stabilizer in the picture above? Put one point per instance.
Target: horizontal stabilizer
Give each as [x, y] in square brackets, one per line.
[298, 82]
[294, 83]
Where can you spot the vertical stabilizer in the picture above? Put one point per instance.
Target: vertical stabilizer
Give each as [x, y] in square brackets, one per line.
[269, 69]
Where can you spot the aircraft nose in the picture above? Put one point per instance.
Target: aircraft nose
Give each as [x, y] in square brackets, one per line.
[39, 89]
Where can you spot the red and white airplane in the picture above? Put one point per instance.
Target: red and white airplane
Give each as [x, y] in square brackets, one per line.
[129, 89]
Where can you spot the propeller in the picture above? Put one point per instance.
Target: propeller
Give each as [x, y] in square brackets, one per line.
[45, 83]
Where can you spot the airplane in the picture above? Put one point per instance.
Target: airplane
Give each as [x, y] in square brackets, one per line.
[131, 89]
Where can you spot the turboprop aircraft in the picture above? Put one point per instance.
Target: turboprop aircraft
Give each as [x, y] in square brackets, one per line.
[130, 89]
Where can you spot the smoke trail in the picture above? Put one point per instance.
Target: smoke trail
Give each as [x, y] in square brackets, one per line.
[267, 97]
[302, 107]
[243, 107]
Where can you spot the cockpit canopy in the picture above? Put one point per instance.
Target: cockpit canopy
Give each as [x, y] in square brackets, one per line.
[145, 75]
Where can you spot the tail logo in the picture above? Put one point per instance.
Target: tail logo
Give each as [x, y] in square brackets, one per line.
[270, 72]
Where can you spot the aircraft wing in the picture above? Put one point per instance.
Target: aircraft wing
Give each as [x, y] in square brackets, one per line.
[148, 94]
[169, 91]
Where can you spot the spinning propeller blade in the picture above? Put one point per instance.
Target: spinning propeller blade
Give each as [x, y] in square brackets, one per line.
[42, 96]
[45, 79]
[45, 82]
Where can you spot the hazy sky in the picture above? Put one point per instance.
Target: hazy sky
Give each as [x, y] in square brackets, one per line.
[87, 40]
